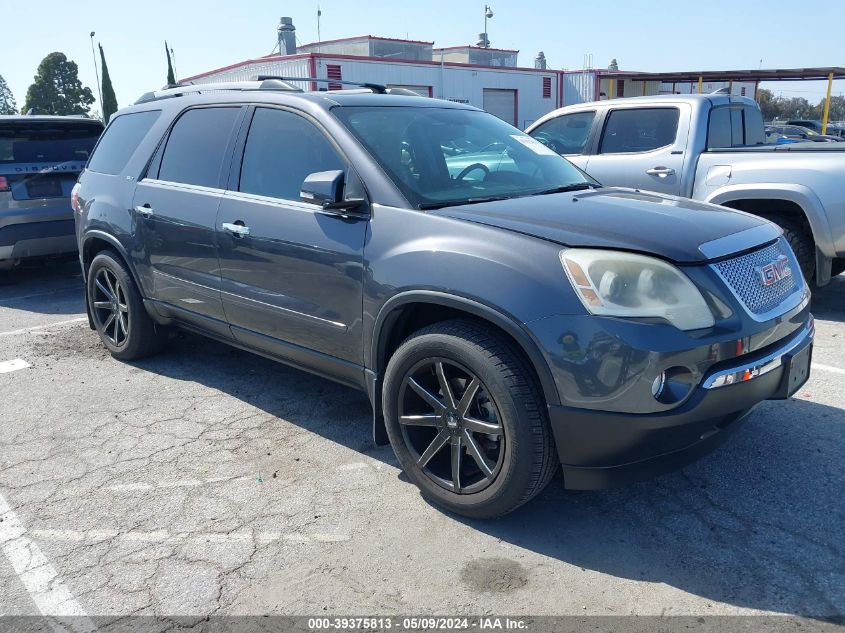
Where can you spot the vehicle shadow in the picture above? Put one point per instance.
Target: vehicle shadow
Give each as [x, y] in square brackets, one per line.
[758, 524]
[828, 301]
[45, 287]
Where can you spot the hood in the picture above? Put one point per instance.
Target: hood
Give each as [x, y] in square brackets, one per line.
[669, 227]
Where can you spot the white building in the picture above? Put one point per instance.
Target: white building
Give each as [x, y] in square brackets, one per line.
[488, 78]
[517, 95]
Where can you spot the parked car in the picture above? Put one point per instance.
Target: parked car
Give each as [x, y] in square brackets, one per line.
[40, 158]
[816, 126]
[711, 148]
[805, 134]
[775, 137]
[501, 324]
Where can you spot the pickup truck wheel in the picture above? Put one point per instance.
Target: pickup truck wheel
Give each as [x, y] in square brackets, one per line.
[467, 421]
[118, 311]
[802, 244]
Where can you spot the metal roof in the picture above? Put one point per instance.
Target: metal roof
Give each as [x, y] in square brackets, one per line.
[762, 74]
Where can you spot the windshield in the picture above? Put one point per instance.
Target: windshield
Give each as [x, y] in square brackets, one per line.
[440, 156]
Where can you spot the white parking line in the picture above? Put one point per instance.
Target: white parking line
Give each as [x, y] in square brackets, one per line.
[162, 536]
[13, 365]
[835, 370]
[42, 327]
[182, 483]
[80, 289]
[39, 577]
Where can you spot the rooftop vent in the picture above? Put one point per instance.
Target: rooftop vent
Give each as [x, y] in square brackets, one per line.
[287, 36]
[540, 61]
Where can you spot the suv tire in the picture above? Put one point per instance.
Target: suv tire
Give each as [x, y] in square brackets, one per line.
[491, 387]
[118, 311]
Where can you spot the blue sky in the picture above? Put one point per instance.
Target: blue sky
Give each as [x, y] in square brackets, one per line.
[641, 35]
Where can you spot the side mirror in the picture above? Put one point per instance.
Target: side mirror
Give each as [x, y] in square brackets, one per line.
[326, 188]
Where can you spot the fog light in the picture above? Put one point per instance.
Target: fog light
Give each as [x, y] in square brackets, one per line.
[658, 384]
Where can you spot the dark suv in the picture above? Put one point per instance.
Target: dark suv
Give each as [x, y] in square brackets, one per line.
[503, 311]
[40, 159]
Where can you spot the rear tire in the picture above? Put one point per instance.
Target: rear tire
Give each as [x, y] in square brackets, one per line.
[118, 312]
[505, 450]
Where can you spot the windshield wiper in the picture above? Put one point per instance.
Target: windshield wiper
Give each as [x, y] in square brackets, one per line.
[456, 203]
[578, 186]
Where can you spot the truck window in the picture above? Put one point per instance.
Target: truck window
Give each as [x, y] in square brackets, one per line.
[566, 134]
[754, 127]
[735, 127]
[639, 130]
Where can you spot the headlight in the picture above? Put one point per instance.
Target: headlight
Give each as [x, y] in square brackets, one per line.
[615, 283]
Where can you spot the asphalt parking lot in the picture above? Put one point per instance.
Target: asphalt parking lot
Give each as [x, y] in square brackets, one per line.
[210, 481]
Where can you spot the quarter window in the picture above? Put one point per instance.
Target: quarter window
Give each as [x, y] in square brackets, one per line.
[120, 141]
[639, 130]
[195, 150]
[566, 134]
[281, 150]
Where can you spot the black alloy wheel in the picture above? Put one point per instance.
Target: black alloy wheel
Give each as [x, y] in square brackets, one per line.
[110, 308]
[451, 425]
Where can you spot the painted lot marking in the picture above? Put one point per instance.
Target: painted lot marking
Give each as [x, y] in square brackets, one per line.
[163, 536]
[13, 365]
[38, 576]
[183, 483]
[834, 370]
[36, 328]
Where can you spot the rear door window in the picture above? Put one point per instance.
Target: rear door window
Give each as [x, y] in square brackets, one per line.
[120, 141]
[631, 130]
[566, 134]
[738, 127]
[195, 150]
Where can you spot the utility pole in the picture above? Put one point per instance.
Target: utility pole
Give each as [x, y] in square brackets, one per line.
[96, 72]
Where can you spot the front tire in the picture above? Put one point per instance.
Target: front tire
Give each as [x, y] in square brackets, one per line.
[466, 419]
[118, 312]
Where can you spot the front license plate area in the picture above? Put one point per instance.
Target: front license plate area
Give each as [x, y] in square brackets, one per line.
[796, 371]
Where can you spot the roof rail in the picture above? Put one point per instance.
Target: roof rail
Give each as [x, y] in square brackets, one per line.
[376, 88]
[272, 83]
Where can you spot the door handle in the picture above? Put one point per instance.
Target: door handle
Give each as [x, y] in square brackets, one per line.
[662, 172]
[145, 211]
[236, 228]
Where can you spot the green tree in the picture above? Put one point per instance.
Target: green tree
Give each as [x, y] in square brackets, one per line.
[171, 77]
[56, 88]
[7, 99]
[109, 100]
[768, 104]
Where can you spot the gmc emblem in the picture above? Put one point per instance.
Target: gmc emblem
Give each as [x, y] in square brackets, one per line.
[774, 271]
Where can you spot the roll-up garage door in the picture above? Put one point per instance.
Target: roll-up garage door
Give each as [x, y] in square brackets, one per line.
[501, 103]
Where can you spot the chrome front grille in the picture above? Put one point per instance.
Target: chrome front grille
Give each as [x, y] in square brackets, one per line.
[743, 276]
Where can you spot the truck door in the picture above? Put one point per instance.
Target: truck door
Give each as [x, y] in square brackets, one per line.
[642, 148]
[567, 134]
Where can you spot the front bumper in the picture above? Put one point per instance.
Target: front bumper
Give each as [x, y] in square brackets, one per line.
[600, 449]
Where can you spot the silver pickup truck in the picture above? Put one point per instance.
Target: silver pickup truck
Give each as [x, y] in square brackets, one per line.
[712, 148]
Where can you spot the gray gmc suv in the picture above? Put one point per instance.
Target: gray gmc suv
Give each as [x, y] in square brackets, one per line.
[503, 311]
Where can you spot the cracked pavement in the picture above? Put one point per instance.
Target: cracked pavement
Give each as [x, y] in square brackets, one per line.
[210, 481]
